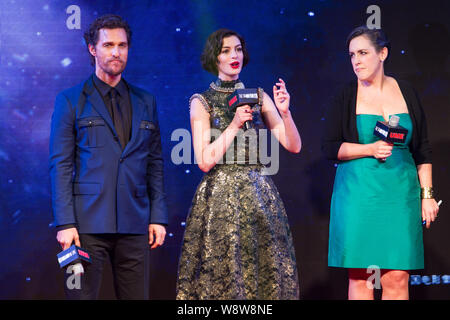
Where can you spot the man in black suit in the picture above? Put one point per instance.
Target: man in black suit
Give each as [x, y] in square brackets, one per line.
[106, 168]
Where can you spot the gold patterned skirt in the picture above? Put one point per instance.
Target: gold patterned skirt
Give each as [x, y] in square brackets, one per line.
[237, 243]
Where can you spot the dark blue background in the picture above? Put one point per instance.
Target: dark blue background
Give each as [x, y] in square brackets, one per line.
[40, 56]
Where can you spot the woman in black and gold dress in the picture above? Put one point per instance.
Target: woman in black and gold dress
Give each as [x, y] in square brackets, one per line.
[237, 243]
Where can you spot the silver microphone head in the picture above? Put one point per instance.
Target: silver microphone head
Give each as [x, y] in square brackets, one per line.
[394, 120]
[239, 85]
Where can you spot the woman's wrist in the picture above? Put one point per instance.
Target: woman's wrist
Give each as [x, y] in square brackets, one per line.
[233, 127]
[285, 114]
[370, 150]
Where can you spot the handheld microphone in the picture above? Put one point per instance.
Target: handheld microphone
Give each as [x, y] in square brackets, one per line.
[240, 97]
[390, 131]
[74, 256]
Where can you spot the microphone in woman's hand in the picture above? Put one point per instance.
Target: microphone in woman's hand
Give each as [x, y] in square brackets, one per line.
[242, 97]
[390, 131]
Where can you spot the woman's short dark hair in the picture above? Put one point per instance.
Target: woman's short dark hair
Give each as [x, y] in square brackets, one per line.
[376, 36]
[213, 48]
[108, 21]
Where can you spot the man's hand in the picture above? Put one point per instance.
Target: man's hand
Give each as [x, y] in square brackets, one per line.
[67, 236]
[156, 235]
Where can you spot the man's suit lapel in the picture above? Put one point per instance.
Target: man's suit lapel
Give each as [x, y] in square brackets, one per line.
[138, 108]
[94, 98]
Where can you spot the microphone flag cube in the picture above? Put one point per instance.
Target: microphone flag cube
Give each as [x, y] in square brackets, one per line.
[73, 254]
[389, 133]
[240, 97]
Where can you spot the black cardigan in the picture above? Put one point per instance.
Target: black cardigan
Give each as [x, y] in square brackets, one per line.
[340, 122]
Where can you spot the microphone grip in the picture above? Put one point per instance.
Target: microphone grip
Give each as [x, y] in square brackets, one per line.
[78, 268]
[247, 125]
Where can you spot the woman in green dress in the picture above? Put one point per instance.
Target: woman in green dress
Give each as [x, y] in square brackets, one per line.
[237, 243]
[382, 191]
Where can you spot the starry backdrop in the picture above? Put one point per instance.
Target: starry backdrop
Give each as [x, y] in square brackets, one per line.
[42, 52]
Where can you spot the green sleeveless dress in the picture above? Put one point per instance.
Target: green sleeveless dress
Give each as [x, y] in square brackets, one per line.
[237, 243]
[376, 207]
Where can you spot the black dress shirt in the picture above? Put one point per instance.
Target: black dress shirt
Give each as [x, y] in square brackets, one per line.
[123, 98]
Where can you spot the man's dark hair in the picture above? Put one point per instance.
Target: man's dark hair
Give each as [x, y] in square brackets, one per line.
[108, 21]
[213, 48]
[376, 36]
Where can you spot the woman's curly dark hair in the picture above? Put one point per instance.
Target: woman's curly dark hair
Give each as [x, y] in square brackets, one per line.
[213, 48]
[108, 21]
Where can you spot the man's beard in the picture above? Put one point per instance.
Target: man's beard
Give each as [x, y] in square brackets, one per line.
[111, 71]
